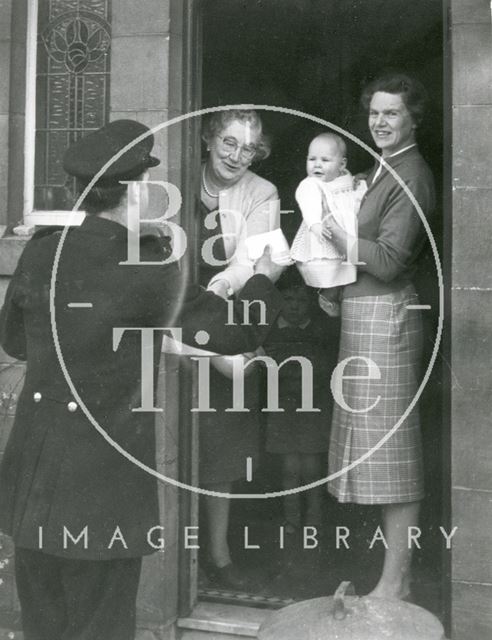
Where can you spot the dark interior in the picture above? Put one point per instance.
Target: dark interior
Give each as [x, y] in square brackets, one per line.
[315, 56]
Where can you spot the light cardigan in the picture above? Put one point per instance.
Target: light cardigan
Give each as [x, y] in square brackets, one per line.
[249, 207]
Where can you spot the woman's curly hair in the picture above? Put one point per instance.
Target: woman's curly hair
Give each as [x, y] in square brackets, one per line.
[219, 120]
[412, 91]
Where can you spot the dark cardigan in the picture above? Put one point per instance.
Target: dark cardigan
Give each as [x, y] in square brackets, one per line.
[390, 232]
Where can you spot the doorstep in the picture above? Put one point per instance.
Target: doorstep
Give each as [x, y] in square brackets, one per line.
[222, 621]
[10, 634]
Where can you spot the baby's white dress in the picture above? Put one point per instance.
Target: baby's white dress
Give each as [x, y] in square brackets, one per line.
[320, 263]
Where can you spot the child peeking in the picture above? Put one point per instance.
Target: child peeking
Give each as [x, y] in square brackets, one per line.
[301, 438]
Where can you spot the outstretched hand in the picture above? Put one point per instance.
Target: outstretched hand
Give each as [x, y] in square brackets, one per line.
[266, 266]
[220, 288]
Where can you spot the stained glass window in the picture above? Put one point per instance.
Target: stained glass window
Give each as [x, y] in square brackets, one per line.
[72, 89]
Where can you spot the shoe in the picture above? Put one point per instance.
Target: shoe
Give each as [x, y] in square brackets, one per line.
[330, 308]
[228, 577]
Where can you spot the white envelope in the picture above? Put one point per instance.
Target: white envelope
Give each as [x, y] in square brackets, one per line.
[277, 242]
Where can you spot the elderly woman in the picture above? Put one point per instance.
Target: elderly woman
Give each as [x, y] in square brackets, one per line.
[379, 325]
[236, 204]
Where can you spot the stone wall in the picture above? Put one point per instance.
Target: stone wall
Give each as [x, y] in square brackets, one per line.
[471, 308]
[12, 49]
[5, 49]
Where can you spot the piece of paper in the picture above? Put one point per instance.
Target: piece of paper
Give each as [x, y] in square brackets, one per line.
[280, 252]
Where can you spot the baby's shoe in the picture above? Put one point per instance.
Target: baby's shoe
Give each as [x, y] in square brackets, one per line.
[328, 306]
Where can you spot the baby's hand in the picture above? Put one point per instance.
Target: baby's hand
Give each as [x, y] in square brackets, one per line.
[358, 178]
[317, 229]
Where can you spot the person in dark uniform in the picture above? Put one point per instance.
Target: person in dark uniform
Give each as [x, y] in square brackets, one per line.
[79, 511]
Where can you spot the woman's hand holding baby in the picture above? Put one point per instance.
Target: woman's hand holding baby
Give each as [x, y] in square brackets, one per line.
[333, 231]
[317, 229]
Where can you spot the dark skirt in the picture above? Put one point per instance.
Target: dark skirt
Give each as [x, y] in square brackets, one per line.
[297, 432]
[227, 439]
[382, 329]
[293, 431]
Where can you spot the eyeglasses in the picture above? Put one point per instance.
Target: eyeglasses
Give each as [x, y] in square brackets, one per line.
[231, 145]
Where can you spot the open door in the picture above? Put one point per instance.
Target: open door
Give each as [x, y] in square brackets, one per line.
[315, 57]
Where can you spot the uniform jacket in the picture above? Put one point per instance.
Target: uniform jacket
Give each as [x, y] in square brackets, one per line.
[58, 470]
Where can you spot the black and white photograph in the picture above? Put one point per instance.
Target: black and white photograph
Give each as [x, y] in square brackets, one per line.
[245, 311]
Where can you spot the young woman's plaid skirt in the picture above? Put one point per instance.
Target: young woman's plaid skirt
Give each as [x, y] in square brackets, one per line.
[382, 329]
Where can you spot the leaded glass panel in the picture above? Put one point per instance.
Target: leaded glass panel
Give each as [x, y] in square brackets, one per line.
[72, 89]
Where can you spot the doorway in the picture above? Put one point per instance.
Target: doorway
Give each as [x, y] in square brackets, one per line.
[314, 56]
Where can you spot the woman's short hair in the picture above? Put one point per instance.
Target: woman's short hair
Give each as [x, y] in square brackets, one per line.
[411, 90]
[219, 120]
[102, 198]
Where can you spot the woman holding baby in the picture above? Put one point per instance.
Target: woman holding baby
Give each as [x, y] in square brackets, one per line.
[380, 327]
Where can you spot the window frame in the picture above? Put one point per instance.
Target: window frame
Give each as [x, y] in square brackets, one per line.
[37, 217]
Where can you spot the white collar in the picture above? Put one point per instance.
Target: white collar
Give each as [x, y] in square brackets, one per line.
[397, 153]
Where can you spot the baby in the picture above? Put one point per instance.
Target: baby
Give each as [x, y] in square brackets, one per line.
[327, 190]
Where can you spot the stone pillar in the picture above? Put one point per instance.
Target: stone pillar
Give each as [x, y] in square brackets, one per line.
[5, 49]
[471, 334]
[146, 77]
[147, 85]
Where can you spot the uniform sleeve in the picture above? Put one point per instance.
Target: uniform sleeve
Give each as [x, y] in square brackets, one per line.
[12, 331]
[400, 231]
[233, 326]
[262, 216]
[308, 196]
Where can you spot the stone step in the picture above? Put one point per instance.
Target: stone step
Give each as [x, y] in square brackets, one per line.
[208, 635]
[222, 621]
